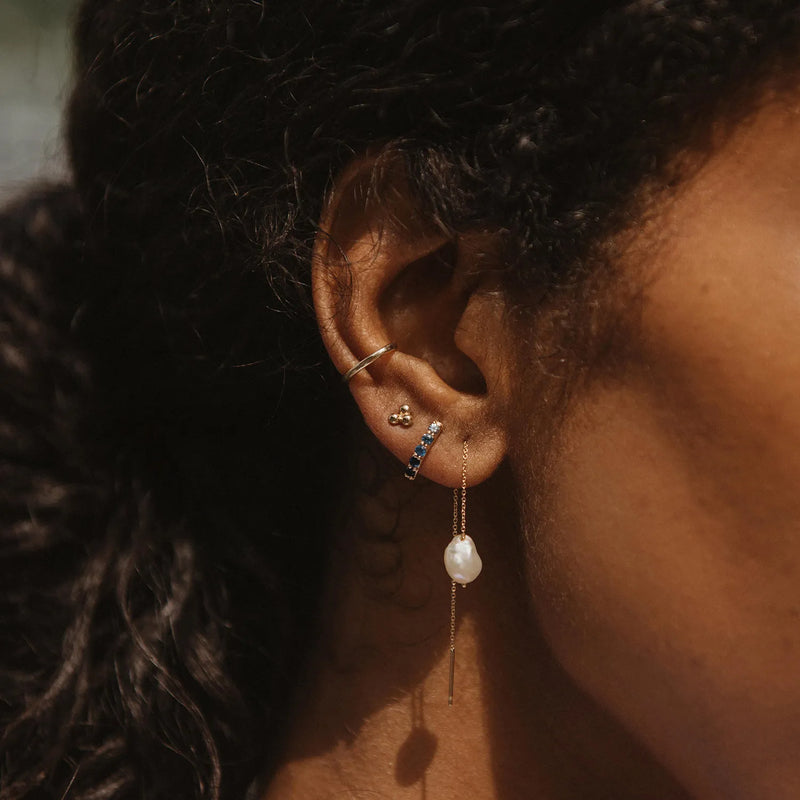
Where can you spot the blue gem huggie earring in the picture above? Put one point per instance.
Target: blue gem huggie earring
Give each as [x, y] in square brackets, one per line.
[421, 450]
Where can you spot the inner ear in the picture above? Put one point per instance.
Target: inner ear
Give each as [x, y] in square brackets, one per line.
[421, 307]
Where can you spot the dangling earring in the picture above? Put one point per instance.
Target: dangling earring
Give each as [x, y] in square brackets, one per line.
[462, 562]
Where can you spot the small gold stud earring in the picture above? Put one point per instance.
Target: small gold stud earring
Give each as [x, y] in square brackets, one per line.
[403, 417]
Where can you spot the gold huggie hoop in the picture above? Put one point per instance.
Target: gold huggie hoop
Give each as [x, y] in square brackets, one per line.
[365, 362]
[421, 450]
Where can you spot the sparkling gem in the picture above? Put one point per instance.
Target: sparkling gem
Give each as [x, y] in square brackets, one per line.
[420, 450]
[410, 473]
[427, 438]
[461, 560]
[435, 427]
[413, 462]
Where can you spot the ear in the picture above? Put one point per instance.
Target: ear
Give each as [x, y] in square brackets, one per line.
[384, 273]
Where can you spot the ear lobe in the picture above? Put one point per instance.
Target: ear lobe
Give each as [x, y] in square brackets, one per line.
[383, 273]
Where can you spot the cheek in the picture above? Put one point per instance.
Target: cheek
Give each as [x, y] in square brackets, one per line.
[627, 555]
[666, 566]
[674, 612]
[720, 367]
[676, 486]
[667, 569]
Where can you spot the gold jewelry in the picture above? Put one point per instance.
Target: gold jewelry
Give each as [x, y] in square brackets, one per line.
[462, 562]
[421, 450]
[365, 362]
[403, 417]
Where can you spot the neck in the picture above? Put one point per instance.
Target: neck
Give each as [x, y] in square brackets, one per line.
[372, 717]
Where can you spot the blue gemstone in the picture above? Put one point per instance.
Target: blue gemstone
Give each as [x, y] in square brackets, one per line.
[427, 438]
[420, 450]
[434, 427]
[413, 462]
[410, 473]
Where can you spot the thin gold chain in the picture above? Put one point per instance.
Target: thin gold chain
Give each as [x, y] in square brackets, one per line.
[452, 615]
[453, 583]
[464, 492]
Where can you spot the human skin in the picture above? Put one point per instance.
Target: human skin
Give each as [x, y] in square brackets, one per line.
[674, 543]
[648, 647]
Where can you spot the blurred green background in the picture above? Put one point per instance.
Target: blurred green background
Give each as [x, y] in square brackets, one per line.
[34, 78]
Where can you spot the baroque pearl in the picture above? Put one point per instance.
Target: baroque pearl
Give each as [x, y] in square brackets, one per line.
[461, 560]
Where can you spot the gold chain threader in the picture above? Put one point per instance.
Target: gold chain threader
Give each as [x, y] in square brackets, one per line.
[453, 583]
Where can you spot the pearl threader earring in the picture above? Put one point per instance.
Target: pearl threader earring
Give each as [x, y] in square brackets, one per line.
[461, 560]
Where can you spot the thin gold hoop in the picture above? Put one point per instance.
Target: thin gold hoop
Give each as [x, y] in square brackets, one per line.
[365, 362]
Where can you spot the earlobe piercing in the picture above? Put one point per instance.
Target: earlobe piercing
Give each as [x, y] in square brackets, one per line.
[462, 562]
[461, 559]
[403, 417]
[421, 450]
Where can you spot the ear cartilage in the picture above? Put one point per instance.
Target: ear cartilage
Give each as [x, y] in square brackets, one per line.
[403, 417]
[421, 450]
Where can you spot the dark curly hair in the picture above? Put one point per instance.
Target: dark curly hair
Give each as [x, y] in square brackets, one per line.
[165, 451]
